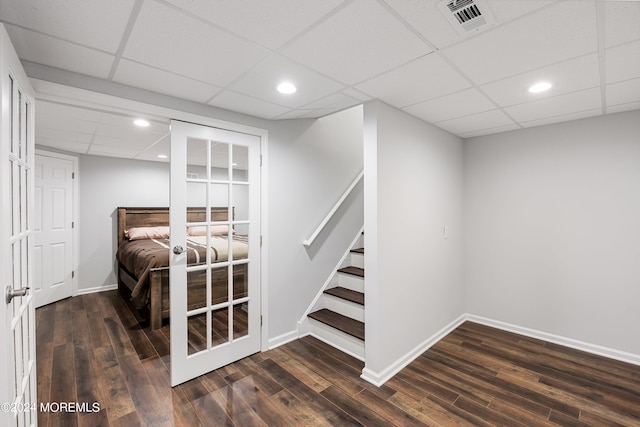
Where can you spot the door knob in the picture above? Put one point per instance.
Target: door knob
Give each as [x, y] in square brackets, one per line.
[178, 250]
[12, 293]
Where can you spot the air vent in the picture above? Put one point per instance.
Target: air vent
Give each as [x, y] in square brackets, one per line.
[467, 16]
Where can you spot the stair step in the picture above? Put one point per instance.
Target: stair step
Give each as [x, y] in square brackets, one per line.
[358, 251]
[347, 294]
[340, 322]
[355, 271]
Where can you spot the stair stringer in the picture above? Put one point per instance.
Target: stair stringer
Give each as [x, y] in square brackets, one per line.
[303, 324]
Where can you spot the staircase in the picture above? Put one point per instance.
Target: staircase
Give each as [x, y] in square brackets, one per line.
[337, 317]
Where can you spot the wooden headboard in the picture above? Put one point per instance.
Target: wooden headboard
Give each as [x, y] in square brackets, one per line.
[154, 217]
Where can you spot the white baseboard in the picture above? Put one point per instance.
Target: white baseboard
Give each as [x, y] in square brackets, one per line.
[556, 339]
[379, 378]
[96, 289]
[282, 339]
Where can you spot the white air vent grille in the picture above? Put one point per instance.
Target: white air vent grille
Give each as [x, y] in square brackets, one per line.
[467, 16]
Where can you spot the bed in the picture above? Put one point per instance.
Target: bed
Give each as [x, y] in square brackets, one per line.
[143, 262]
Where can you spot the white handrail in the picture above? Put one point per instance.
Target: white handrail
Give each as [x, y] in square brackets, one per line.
[327, 218]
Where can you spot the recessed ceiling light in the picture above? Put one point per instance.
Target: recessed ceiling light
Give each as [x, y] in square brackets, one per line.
[540, 87]
[162, 156]
[286, 88]
[141, 123]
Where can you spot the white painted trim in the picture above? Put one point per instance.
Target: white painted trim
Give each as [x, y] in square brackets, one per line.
[333, 342]
[303, 319]
[335, 208]
[75, 257]
[95, 289]
[282, 339]
[599, 350]
[379, 378]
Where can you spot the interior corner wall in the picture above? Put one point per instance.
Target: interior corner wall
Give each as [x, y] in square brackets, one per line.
[105, 183]
[414, 282]
[311, 164]
[552, 224]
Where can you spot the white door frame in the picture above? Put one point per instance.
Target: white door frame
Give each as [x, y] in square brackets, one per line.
[74, 212]
[55, 92]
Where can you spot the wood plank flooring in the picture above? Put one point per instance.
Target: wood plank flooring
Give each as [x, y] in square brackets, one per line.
[94, 348]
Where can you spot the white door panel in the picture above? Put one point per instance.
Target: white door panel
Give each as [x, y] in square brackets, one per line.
[53, 227]
[215, 302]
[17, 314]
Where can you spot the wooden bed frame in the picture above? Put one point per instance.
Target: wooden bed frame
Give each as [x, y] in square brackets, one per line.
[158, 306]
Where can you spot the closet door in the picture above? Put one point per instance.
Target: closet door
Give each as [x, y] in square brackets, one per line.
[215, 292]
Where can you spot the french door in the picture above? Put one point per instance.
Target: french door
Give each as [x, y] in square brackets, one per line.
[17, 312]
[215, 205]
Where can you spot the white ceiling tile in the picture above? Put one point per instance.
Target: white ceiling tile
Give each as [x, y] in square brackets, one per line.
[59, 121]
[191, 48]
[357, 94]
[56, 53]
[247, 105]
[293, 114]
[269, 23]
[95, 23]
[67, 111]
[623, 107]
[142, 76]
[507, 10]
[112, 151]
[360, 41]
[476, 122]
[562, 31]
[463, 103]
[63, 144]
[337, 101]
[559, 105]
[489, 131]
[563, 118]
[129, 142]
[163, 147]
[426, 18]
[424, 78]
[62, 134]
[621, 22]
[623, 92]
[569, 76]
[622, 62]
[261, 81]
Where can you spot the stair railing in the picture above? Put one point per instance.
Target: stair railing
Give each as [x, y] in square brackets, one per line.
[335, 208]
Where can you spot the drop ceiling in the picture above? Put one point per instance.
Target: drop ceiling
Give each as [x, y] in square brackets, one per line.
[340, 53]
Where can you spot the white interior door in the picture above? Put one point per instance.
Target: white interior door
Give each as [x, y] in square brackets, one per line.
[53, 228]
[17, 312]
[215, 299]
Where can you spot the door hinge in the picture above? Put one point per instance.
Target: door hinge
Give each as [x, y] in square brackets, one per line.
[261, 241]
[73, 175]
[260, 159]
[73, 224]
[73, 274]
[261, 320]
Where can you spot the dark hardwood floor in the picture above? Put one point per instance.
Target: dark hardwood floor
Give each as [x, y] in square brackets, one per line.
[93, 348]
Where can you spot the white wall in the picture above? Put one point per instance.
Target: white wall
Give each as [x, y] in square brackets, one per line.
[311, 164]
[552, 220]
[414, 282]
[105, 183]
